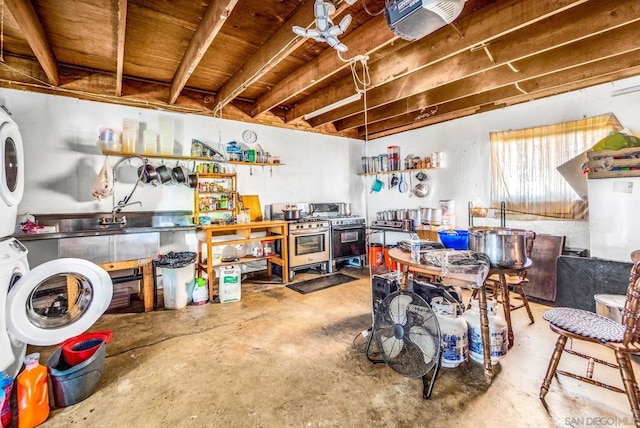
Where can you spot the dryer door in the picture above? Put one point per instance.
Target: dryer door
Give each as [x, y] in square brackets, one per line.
[11, 164]
[57, 300]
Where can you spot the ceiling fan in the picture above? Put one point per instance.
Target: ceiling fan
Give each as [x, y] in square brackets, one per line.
[326, 30]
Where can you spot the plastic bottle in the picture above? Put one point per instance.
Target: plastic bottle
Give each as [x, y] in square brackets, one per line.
[6, 385]
[33, 393]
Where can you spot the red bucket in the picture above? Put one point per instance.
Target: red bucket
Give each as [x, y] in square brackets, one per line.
[82, 347]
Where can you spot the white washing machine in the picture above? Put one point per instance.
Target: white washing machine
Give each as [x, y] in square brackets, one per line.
[54, 301]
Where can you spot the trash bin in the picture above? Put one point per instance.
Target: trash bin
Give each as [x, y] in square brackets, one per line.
[178, 270]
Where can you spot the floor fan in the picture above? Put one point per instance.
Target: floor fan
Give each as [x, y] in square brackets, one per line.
[407, 334]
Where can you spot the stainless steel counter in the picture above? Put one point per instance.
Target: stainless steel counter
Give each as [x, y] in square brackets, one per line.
[82, 225]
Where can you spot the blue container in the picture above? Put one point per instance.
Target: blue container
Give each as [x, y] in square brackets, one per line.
[72, 384]
[457, 239]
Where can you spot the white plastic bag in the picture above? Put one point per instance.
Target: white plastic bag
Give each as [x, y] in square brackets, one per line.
[103, 186]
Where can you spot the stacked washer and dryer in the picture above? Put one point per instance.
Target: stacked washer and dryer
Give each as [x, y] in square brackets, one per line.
[54, 301]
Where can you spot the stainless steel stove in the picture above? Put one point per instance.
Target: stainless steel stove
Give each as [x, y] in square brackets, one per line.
[309, 239]
[348, 233]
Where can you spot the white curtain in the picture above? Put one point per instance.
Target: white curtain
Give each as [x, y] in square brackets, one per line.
[523, 167]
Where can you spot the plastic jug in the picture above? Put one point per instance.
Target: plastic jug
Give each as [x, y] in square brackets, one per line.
[33, 393]
[6, 385]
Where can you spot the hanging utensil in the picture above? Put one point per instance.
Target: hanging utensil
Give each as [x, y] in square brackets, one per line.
[394, 181]
[410, 185]
[402, 185]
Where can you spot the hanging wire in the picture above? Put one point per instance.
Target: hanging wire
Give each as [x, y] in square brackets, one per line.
[366, 9]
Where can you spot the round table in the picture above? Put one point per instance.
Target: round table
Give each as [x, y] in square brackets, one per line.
[404, 259]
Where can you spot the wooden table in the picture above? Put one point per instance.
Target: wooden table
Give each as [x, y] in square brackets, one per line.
[146, 266]
[504, 292]
[404, 259]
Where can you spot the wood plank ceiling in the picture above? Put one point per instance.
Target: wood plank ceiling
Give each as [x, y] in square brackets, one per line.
[239, 59]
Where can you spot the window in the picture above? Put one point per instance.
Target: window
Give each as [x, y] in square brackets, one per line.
[523, 167]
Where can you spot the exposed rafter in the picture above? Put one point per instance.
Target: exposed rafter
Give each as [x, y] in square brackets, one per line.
[26, 17]
[479, 28]
[283, 43]
[211, 23]
[560, 30]
[367, 39]
[122, 28]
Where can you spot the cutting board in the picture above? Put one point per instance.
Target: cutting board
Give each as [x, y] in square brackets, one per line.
[253, 203]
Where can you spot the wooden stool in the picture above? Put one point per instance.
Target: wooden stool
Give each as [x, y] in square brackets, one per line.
[147, 276]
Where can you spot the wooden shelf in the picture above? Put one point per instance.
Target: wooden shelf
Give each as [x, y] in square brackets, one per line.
[158, 156]
[395, 171]
[619, 163]
[245, 259]
[187, 158]
[253, 163]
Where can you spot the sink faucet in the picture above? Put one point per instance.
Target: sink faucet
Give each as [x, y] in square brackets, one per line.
[114, 219]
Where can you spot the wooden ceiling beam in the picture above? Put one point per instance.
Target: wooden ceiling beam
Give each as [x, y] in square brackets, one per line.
[364, 40]
[276, 49]
[208, 28]
[602, 71]
[122, 29]
[574, 86]
[100, 86]
[585, 52]
[508, 50]
[27, 19]
[478, 28]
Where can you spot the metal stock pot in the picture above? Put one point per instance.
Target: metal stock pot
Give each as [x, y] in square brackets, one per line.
[506, 248]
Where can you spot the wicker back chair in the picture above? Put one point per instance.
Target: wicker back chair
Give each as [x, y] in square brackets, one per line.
[590, 327]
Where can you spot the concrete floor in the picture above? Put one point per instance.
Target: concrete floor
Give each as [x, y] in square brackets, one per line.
[282, 359]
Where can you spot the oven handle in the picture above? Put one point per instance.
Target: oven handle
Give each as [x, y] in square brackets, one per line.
[309, 232]
[348, 227]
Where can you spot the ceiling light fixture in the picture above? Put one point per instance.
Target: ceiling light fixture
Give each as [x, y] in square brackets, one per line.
[337, 104]
[624, 91]
[325, 30]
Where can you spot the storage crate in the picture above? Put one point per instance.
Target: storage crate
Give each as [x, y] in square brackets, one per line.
[121, 296]
[614, 163]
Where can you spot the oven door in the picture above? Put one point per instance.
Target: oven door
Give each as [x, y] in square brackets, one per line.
[308, 248]
[348, 241]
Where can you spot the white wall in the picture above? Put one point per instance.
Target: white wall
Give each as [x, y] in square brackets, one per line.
[62, 159]
[465, 142]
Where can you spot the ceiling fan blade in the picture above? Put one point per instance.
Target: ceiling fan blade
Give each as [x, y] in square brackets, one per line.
[341, 47]
[423, 340]
[398, 307]
[322, 23]
[314, 33]
[302, 32]
[344, 23]
[334, 31]
[391, 346]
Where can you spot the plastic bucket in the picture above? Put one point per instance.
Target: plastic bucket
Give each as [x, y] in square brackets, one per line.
[610, 306]
[72, 384]
[82, 347]
[390, 264]
[375, 254]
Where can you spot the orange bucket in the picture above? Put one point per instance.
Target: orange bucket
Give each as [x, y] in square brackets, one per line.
[390, 264]
[375, 254]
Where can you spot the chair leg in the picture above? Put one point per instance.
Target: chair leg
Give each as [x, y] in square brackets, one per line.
[553, 365]
[630, 384]
[525, 302]
[474, 295]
